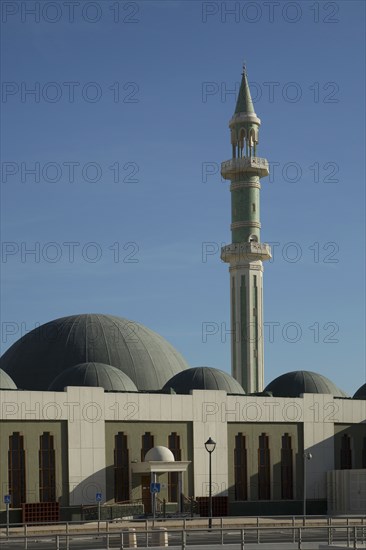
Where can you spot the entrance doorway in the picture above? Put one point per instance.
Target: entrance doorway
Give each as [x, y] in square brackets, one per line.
[146, 495]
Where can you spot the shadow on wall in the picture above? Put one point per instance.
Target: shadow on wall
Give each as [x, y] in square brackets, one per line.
[84, 492]
[348, 444]
[102, 481]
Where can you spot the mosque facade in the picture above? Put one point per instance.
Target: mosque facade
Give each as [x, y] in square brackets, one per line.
[96, 406]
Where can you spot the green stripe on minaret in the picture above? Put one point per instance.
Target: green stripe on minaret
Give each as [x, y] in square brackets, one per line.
[244, 103]
[233, 321]
[243, 332]
[255, 359]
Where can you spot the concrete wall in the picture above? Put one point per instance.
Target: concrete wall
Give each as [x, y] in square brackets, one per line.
[89, 414]
[275, 431]
[357, 433]
[346, 492]
[31, 431]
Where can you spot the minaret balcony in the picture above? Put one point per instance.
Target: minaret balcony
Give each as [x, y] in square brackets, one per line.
[233, 169]
[245, 252]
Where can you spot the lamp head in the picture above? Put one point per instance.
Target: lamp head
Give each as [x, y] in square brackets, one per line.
[210, 445]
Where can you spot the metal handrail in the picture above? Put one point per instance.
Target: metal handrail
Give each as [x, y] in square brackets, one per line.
[257, 519]
[352, 535]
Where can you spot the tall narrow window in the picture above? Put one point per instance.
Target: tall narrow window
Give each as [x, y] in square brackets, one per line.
[364, 453]
[16, 470]
[240, 468]
[121, 468]
[264, 486]
[286, 468]
[47, 469]
[147, 443]
[174, 446]
[346, 453]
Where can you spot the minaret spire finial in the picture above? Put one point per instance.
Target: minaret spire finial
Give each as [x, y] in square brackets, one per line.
[244, 102]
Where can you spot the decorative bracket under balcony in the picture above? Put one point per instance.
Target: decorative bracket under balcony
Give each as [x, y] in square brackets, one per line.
[235, 168]
[245, 252]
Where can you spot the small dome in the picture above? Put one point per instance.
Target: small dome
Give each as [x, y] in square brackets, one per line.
[6, 383]
[159, 453]
[203, 378]
[361, 392]
[38, 357]
[95, 375]
[293, 384]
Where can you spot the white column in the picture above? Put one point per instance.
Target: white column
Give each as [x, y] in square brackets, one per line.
[320, 413]
[210, 420]
[247, 325]
[86, 437]
[180, 491]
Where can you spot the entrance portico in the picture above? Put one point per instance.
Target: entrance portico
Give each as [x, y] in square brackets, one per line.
[158, 460]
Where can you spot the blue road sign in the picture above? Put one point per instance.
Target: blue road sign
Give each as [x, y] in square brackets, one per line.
[154, 488]
[98, 497]
[7, 499]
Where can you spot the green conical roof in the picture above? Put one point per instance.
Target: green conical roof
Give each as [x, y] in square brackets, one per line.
[244, 103]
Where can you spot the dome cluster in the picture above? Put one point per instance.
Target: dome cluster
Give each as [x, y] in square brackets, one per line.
[123, 356]
[39, 357]
[104, 351]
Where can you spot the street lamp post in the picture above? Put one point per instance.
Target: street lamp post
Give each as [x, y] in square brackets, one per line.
[307, 456]
[210, 447]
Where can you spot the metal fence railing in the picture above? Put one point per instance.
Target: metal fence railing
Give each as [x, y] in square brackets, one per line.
[295, 536]
[186, 519]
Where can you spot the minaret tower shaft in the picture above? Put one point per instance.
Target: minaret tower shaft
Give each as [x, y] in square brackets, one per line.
[246, 253]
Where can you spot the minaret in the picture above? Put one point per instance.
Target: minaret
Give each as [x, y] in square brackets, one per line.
[246, 253]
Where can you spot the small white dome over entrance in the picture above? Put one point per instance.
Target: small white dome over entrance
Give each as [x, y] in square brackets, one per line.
[159, 453]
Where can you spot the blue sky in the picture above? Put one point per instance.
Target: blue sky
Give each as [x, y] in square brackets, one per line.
[125, 208]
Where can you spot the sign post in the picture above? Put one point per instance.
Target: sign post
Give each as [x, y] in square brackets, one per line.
[98, 498]
[7, 500]
[154, 488]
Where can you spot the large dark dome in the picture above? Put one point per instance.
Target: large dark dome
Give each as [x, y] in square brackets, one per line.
[203, 378]
[361, 392]
[37, 358]
[293, 384]
[93, 374]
